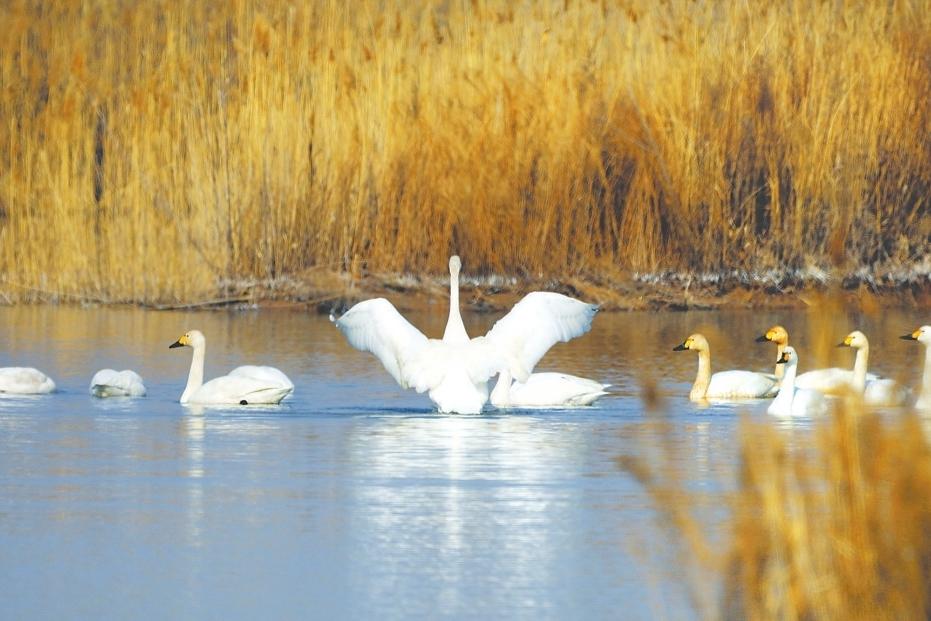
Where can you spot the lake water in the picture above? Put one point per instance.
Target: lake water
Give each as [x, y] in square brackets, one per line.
[354, 499]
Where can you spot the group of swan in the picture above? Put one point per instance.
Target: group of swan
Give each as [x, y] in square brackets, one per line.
[454, 371]
[800, 395]
[246, 385]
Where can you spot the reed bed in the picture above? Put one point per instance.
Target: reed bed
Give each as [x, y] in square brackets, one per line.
[163, 151]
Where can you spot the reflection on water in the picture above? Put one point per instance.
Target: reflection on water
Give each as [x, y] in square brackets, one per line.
[353, 499]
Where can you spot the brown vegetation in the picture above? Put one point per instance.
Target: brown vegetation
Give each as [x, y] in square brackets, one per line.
[163, 151]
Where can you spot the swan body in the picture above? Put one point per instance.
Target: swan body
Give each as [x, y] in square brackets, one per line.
[25, 381]
[547, 390]
[455, 374]
[793, 401]
[725, 384]
[875, 391]
[110, 383]
[245, 385]
[540, 390]
[832, 380]
[923, 336]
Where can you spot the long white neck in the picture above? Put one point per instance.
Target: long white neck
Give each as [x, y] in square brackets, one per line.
[924, 397]
[703, 379]
[859, 368]
[780, 368]
[195, 378]
[455, 329]
[501, 395]
[783, 401]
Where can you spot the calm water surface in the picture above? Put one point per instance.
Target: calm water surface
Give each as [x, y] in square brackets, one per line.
[354, 499]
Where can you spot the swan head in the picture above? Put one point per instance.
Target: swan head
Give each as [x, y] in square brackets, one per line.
[855, 339]
[789, 357]
[922, 335]
[776, 334]
[695, 342]
[455, 264]
[191, 338]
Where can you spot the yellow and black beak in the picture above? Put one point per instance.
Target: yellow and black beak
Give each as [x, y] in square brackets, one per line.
[763, 339]
[784, 358]
[181, 342]
[681, 346]
[845, 342]
[910, 337]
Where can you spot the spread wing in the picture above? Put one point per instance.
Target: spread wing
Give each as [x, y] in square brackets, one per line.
[376, 326]
[536, 323]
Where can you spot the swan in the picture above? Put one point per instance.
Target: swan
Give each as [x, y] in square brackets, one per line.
[540, 390]
[25, 381]
[877, 391]
[792, 400]
[246, 385]
[724, 384]
[110, 383]
[455, 374]
[923, 336]
[778, 335]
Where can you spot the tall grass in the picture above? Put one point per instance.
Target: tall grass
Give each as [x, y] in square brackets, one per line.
[162, 150]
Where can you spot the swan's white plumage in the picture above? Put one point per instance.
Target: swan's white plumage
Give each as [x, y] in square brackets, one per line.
[245, 385]
[738, 384]
[25, 381]
[923, 336]
[831, 380]
[884, 391]
[111, 383]
[548, 390]
[536, 323]
[793, 401]
[455, 374]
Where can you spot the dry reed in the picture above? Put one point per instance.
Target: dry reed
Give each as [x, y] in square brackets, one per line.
[163, 150]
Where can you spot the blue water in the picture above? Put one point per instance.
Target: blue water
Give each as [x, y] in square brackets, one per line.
[353, 499]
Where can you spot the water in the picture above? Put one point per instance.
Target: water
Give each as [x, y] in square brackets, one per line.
[354, 499]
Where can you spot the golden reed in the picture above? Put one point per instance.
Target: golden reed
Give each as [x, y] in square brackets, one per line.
[162, 150]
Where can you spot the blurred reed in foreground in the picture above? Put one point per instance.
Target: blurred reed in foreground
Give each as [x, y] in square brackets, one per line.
[165, 150]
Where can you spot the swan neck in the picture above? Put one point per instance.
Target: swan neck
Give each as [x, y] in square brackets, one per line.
[501, 395]
[783, 401]
[195, 378]
[703, 379]
[780, 368]
[859, 368]
[924, 397]
[455, 329]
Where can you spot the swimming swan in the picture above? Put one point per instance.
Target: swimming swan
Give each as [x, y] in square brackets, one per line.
[246, 385]
[455, 374]
[877, 391]
[25, 381]
[110, 383]
[541, 390]
[923, 336]
[792, 400]
[724, 384]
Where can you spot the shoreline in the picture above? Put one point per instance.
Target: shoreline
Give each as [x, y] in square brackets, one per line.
[326, 291]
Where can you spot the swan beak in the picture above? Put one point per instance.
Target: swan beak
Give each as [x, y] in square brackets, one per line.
[181, 342]
[784, 358]
[681, 347]
[762, 339]
[910, 337]
[845, 342]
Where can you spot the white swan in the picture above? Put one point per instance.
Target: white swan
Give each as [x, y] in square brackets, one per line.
[923, 336]
[25, 381]
[792, 400]
[455, 374]
[778, 335]
[540, 390]
[246, 385]
[724, 384]
[877, 391]
[110, 383]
